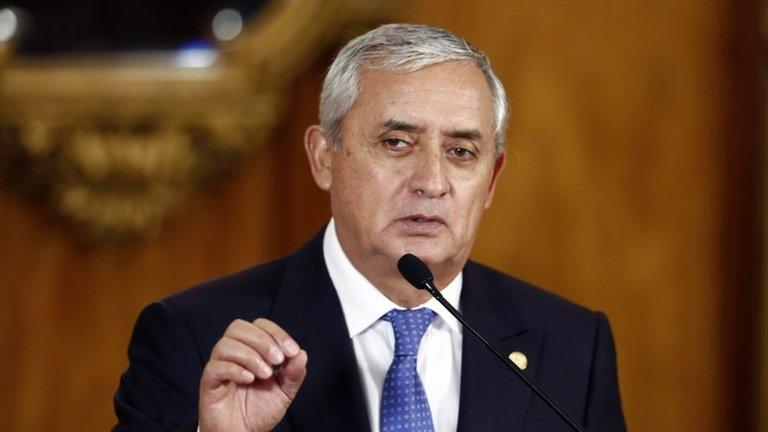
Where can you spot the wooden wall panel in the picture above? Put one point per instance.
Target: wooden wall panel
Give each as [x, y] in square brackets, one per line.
[68, 309]
[619, 194]
[72, 308]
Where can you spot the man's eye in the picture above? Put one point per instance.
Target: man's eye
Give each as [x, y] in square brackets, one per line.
[462, 153]
[395, 144]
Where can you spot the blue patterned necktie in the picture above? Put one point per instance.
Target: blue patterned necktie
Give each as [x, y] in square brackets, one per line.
[404, 405]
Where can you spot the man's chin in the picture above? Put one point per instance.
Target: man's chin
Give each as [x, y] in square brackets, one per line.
[431, 251]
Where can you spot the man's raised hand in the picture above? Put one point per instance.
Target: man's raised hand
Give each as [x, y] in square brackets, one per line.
[254, 372]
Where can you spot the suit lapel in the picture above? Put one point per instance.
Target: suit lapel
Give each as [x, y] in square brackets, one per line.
[491, 397]
[307, 307]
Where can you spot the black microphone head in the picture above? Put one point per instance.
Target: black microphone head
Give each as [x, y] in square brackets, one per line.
[414, 271]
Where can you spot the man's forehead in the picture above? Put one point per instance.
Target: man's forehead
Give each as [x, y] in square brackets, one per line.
[459, 90]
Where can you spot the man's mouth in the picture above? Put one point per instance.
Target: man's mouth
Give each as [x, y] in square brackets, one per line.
[423, 224]
[419, 218]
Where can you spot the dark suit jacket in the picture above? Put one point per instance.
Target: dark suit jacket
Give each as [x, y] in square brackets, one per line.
[570, 352]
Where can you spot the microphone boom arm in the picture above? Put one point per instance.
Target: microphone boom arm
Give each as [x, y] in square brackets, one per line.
[430, 287]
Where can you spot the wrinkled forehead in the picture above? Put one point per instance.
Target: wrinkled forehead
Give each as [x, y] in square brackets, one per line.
[451, 91]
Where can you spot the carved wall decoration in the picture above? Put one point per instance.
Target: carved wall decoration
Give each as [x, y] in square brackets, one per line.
[114, 145]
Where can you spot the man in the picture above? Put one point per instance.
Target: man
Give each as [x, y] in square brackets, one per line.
[332, 338]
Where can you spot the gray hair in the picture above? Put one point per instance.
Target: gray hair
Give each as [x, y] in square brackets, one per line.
[402, 47]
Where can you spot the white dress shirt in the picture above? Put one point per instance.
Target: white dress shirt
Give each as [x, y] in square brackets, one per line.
[439, 357]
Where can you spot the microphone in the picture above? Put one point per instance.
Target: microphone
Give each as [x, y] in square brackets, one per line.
[418, 274]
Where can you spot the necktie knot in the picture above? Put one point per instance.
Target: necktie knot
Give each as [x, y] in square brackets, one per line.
[409, 327]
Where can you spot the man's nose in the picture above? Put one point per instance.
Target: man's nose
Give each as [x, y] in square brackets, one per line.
[430, 175]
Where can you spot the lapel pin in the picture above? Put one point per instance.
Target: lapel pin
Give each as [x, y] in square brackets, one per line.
[519, 359]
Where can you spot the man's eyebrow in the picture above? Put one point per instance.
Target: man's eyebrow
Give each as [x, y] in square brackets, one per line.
[467, 134]
[397, 125]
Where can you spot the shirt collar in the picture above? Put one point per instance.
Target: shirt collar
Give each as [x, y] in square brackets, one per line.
[362, 303]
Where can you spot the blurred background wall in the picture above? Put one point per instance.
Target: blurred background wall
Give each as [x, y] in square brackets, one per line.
[634, 187]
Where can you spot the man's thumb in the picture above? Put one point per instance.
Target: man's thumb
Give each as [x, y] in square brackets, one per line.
[292, 374]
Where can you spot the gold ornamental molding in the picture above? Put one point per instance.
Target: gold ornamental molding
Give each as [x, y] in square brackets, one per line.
[115, 143]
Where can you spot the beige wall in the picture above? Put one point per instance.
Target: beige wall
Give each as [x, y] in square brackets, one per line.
[627, 190]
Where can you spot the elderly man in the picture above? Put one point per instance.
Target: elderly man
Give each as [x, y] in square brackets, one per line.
[332, 338]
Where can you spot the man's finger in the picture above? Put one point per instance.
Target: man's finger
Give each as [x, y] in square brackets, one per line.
[258, 339]
[232, 350]
[286, 342]
[292, 374]
[218, 372]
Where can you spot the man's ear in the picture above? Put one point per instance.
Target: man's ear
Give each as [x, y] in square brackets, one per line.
[498, 166]
[317, 144]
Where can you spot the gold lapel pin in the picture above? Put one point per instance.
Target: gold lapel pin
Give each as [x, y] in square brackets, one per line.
[519, 359]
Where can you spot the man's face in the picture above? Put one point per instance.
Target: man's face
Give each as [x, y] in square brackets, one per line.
[416, 166]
